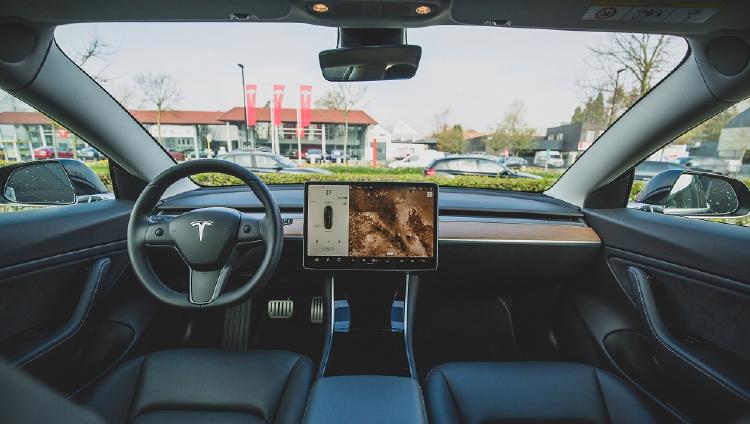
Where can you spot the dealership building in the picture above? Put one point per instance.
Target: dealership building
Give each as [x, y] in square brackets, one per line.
[327, 127]
[217, 131]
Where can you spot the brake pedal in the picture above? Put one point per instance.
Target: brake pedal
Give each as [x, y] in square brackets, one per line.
[316, 310]
[280, 309]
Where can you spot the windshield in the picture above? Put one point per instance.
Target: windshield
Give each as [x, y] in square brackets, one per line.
[542, 96]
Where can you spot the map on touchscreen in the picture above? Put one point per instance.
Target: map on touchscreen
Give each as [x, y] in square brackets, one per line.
[371, 221]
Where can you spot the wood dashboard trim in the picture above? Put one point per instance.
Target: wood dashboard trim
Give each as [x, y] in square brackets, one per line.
[496, 232]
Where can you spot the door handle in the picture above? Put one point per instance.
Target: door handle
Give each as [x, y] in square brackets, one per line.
[713, 373]
[96, 275]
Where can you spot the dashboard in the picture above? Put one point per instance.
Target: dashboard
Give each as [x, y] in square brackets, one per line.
[483, 236]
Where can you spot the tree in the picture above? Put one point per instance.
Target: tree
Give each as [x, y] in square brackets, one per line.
[440, 122]
[643, 56]
[96, 50]
[10, 103]
[641, 59]
[451, 140]
[125, 94]
[593, 111]
[512, 133]
[344, 98]
[159, 91]
[709, 130]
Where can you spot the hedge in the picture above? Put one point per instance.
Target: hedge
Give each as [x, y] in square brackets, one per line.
[366, 173]
[518, 184]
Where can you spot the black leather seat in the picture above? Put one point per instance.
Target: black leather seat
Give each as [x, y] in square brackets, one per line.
[533, 392]
[201, 386]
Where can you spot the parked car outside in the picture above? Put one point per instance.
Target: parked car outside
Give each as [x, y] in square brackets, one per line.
[89, 153]
[202, 154]
[292, 153]
[178, 156]
[335, 154]
[459, 165]
[315, 155]
[263, 162]
[49, 153]
[417, 160]
[549, 158]
[513, 161]
[705, 164]
[650, 168]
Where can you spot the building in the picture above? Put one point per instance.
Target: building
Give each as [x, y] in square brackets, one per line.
[327, 128]
[187, 131]
[401, 141]
[21, 132]
[734, 141]
[570, 139]
[208, 132]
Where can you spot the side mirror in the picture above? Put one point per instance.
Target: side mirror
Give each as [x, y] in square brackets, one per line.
[695, 194]
[37, 183]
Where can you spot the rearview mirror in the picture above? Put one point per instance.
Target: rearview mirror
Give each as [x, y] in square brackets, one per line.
[695, 194]
[37, 183]
[370, 63]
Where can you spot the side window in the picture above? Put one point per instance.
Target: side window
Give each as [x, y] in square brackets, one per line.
[244, 160]
[442, 165]
[489, 166]
[26, 135]
[720, 145]
[263, 161]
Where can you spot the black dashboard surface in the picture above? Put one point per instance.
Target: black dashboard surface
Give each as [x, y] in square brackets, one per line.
[451, 201]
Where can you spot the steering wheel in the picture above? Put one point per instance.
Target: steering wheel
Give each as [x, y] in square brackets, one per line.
[211, 241]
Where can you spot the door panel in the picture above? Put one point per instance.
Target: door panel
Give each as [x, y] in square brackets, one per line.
[57, 267]
[688, 282]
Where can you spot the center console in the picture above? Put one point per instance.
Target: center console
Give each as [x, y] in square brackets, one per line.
[365, 399]
[367, 371]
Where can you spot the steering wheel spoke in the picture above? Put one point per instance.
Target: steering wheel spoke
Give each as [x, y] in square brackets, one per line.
[251, 229]
[157, 232]
[207, 285]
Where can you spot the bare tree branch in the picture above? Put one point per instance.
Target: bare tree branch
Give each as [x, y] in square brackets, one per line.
[344, 98]
[159, 91]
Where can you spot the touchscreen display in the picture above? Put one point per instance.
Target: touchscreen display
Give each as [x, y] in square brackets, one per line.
[371, 225]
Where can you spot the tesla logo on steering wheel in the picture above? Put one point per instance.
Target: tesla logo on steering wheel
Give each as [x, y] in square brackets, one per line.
[201, 226]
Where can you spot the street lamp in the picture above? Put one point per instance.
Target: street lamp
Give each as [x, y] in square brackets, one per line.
[614, 96]
[244, 103]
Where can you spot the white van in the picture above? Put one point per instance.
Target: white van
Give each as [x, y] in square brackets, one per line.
[417, 160]
[550, 158]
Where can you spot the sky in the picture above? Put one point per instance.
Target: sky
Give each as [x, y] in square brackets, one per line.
[474, 72]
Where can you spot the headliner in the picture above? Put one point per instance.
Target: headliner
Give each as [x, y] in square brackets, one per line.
[553, 14]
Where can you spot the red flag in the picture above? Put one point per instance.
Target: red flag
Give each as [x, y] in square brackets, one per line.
[250, 93]
[305, 98]
[278, 98]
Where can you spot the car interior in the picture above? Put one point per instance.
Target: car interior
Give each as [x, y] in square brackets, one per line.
[173, 302]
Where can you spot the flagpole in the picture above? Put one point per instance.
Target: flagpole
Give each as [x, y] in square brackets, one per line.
[299, 129]
[273, 124]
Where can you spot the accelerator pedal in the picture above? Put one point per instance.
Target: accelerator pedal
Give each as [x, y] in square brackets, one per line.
[316, 310]
[280, 309]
